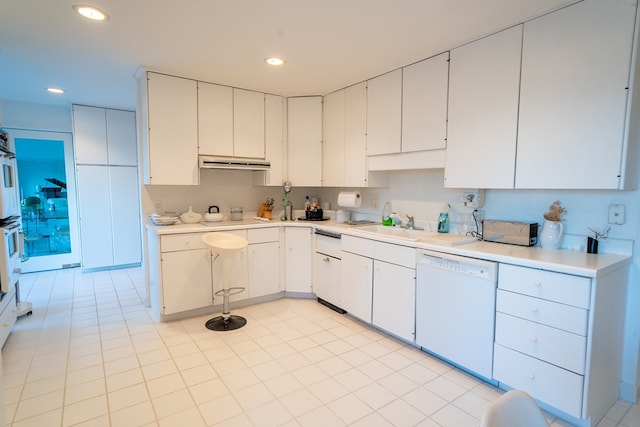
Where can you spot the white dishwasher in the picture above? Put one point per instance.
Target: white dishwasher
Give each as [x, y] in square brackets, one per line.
[455, 309]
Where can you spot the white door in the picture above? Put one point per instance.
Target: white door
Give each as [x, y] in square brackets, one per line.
[46, 180]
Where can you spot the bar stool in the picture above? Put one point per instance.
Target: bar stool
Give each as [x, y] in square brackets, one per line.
[225, 245]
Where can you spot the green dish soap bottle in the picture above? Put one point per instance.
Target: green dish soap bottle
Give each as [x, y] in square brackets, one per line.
[386, 214]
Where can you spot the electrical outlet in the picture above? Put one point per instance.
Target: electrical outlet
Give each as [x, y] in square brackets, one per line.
[158, 206]
[472, 198]
[374, 203]
[616, 214]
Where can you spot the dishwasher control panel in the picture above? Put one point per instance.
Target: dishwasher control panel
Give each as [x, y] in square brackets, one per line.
[482, 269]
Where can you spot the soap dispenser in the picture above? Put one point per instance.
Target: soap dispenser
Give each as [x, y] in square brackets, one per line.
[386, 214]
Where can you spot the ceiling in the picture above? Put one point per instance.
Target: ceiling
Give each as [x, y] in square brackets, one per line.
[327, 45]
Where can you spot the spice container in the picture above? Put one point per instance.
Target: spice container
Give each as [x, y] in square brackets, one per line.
[236, 214]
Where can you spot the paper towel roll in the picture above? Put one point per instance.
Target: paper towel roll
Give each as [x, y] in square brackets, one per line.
[349, 199]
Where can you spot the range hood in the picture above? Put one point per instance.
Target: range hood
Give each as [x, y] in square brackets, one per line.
[218, 162]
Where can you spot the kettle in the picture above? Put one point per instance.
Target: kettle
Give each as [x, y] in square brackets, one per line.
[213, 216]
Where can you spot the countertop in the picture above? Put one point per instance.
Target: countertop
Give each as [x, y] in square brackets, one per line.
[559, 260]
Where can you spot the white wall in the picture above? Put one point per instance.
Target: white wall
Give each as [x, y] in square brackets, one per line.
[24, 115]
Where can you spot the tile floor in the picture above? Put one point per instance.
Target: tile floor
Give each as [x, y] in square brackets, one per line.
[91, 355]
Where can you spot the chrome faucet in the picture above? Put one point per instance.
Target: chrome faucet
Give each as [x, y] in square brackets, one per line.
[411, 225]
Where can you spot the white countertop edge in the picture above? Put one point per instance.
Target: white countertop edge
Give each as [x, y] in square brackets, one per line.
[567, 261]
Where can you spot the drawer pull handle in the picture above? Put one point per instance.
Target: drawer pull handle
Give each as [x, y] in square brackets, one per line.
[532, 376]
[326, 259]
[534, 309]
[534, 339]
[538, 284]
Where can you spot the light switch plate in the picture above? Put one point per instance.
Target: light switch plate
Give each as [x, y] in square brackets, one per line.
[616, 214]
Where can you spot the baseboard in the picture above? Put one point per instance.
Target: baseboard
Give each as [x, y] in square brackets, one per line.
[629, 392]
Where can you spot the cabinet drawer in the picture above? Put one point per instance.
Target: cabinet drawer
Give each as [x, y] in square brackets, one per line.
[552, 345]
[555, 386]
[561, 316]
[263, 235]
[395, 254]
[357, 245]
[563, 288]
[181, 242]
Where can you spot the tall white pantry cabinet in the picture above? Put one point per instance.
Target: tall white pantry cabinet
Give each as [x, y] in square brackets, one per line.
[108, 186]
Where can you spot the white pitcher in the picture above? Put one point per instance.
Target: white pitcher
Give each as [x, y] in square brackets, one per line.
[551, 234]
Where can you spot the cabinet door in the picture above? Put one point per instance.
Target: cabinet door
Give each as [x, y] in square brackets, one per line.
[215, 119]
[384, 113]
[326, 278]
[484, 84]
[305, 141]
[95, 215]
[233, 274]
[394, 299]
[90, 134]
[186, 280]
[125, 215]
[575, 75]
[298, 259]
[274, 142]
[424, 104]
[355, 135]
[264, 269]
[333, 149]
[121, 138]
[248, 123]
[357, 285]
[172, 151]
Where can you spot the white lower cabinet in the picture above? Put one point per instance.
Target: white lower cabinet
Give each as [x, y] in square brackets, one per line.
[264, 261]
[188, 273]
[298, 260]
[186, 280]
[108, 202]
[379, 284]
[557, 338]
[357, 285]
[264, 269]
[394, 299]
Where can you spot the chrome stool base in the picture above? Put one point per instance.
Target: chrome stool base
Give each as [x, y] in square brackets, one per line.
[228, 321]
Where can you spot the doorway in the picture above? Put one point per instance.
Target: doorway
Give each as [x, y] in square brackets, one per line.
[46, 181]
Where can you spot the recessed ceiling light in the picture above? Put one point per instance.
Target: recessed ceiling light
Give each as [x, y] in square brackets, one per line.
[274, 61]
[90, 12]
[55, 90]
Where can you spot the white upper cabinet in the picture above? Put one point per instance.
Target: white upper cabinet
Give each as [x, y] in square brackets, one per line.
[355, 138]
[344, 151]
[121, 138]
[90, 134]
[573, 106]
[248, 123]
[169, 124]
[273, 142]
[305, 141]
[424, 104]
[104, 136]
[333, 147]
[215, 119]
[484, 85]
[384, 113]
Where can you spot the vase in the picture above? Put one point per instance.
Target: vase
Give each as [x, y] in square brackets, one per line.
[551, 234]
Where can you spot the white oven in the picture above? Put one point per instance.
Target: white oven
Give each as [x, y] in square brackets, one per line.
[9, 199]
[11, 242]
